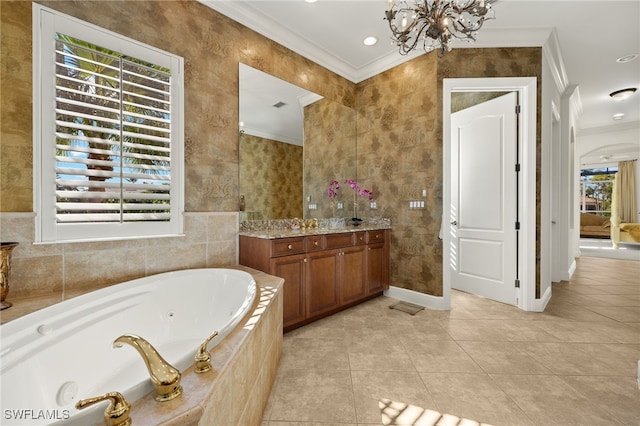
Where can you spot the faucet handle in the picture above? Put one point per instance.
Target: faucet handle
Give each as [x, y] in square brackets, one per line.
[117, 412]
[203, 357]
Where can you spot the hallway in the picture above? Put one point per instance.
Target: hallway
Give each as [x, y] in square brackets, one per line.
[480, 363]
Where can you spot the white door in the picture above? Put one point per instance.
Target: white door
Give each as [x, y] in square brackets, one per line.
[483, 209]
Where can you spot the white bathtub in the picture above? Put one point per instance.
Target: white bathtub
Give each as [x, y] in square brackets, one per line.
[54, 357]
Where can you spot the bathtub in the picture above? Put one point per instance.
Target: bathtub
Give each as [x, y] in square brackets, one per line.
[54, 357]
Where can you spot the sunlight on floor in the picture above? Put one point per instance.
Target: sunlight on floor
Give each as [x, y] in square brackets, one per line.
[400, 414]
[594, 247]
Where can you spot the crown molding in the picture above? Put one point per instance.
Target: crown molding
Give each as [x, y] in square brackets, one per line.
[248, 16]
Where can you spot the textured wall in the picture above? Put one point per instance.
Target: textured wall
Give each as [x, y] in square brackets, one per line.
[271, 177]
[522, 62]
[399, 154]
[211, 44]
[399, 114]
[329, 154]
[400, 149]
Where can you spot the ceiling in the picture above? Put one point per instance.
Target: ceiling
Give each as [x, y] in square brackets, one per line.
[591, 36]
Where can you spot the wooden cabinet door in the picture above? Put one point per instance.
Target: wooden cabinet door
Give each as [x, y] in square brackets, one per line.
[353, 273]
[377, 280]
[292, 269]
[322, 282]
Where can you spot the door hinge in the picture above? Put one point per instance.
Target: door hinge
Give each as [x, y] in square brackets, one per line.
[517, 283]
[517, 109]
[517, 226]
[518, 167]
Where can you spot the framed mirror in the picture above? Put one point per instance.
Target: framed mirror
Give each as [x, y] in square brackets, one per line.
[292, 144]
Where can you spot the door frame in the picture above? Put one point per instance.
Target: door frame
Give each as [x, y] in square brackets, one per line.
[526, 89]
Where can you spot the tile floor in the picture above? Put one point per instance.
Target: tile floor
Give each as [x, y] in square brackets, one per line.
[480, 363]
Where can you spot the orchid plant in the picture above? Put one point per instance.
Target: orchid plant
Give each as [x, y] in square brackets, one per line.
[334, 187]
[332, 192]
[360, 191]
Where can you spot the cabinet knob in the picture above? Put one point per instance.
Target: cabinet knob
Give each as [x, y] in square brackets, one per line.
[305, 260]
[289, 246]
[369, 248]
[315, 243]
[361, 238]
[378, 235]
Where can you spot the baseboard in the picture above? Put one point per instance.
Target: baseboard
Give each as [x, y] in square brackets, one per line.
[417, 298]
[572, 268]
[541, 304]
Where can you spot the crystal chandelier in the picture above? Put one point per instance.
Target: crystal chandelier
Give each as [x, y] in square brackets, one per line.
[433, 23]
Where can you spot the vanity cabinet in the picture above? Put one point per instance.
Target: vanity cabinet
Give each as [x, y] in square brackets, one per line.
[323, 273]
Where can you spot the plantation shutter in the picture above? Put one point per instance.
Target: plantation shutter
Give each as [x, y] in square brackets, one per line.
[112, 136]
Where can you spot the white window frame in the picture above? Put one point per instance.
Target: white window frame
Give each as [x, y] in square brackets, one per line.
[46, 22]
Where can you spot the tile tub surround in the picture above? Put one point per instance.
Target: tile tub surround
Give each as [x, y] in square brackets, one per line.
[60, 271]
[244, 365]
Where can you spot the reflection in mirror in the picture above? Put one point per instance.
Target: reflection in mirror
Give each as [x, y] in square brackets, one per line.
[292, 144]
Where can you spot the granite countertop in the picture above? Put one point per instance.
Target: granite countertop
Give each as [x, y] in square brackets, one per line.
[284, 233]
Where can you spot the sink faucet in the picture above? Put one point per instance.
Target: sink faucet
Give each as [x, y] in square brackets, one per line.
[117, 412]
[165, 377]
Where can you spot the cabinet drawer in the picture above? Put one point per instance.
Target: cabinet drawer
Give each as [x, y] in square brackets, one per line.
[339, 240]
[315, 243]
[375, 236]
[360, 238]
[286, 246]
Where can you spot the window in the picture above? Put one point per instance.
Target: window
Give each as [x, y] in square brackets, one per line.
[108, 137]
[596, 187]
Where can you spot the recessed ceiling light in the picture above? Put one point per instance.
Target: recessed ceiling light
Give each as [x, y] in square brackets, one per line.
[621, 95]
[627, 58]
[618, 116]
[311, 1]
[370, 41]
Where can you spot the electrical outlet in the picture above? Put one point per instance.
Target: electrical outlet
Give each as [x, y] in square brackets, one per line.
[373, 205]
[340, 206]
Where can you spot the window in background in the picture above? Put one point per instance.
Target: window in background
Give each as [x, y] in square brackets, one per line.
[596, 186]
[110, 143]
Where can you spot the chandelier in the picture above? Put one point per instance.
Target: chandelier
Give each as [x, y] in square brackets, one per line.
[433, 23]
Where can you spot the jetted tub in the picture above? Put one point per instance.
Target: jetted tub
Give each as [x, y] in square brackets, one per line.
[54, 357]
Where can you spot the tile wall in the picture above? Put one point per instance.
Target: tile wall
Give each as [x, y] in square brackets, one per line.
[61, 270]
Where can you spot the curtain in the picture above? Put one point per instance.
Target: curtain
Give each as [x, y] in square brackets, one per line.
[627, 192]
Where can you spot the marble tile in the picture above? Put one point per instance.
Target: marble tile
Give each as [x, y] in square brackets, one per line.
[314, 353]
[370, 387]
[565, 366]
[313, 395]
[441, 356]
[474, 397]
[503, 358]
[612, 393]
[549, 400]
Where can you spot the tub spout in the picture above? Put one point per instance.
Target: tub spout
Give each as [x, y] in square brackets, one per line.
[164, 376]
[117, 412]
[203, 357]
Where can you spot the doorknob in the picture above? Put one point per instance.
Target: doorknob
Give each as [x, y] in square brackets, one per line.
[454, 223]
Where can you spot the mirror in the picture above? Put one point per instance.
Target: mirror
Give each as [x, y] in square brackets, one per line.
[292, 144]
